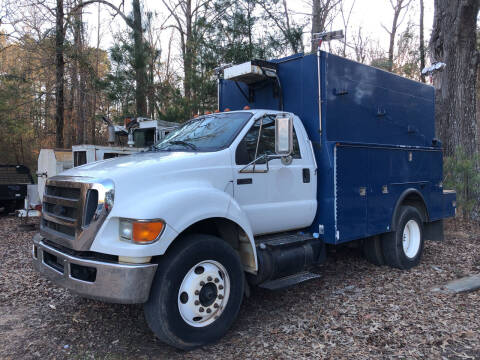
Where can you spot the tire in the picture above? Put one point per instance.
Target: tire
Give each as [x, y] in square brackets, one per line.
[195, 260]
[403, 248]
[10, 207]
[372, 250]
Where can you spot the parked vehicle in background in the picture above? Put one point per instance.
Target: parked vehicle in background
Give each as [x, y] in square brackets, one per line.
[14, 181]
[137, 134]
[318, 150]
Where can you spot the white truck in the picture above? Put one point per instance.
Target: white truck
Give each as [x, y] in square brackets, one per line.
[248, 197]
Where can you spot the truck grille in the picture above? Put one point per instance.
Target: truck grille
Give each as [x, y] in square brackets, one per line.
[73, 210]
[61, 207]
[64, 229]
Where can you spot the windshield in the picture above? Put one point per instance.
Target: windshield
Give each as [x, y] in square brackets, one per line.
[205, 133]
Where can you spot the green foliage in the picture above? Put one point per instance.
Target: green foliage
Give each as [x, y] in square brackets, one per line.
[119, 84]
[461, 174]
[239, 31]
[381, 63]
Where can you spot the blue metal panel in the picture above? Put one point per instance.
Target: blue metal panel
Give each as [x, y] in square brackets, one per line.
[369, 105]
[351, 192]
[386, 172]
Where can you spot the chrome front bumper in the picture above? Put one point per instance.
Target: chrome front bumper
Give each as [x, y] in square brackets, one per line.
[112, 282]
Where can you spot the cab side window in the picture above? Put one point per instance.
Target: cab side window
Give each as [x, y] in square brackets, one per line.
[245, 153]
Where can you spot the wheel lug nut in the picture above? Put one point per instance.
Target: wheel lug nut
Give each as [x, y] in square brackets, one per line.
[220, 296]
[197, 292]
[209, 310]
[215, 306]
[220, 287]
[197, 302]
[201, 309]
[216, 280]
[202, 283]
[209, 278]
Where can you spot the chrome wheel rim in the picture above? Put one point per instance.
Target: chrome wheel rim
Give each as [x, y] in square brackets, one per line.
[204, 293]
[411, 239]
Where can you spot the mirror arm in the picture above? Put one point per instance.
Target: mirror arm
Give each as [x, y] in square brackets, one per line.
[264, 156]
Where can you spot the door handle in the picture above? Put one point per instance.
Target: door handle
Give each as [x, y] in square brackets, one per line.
[244, 181]
[306, 176]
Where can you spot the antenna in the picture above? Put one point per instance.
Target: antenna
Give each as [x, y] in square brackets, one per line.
[327, 36]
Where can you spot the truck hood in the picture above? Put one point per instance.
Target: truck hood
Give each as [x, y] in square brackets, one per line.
[131, 163]
[139, 172]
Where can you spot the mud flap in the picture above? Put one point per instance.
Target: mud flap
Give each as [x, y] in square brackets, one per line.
[434, 230]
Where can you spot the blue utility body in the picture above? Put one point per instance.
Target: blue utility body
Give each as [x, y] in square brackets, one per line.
[374, 142]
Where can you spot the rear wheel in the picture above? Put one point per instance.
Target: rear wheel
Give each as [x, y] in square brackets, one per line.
[403, 248]
[196, 293]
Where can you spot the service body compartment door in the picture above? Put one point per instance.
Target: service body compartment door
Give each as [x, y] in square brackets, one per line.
[351, 192]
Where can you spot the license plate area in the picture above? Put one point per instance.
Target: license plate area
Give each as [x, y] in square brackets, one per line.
[53, 261]
[83, 273]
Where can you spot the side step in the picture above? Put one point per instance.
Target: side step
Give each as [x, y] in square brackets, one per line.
[280, 240]
[289, 280]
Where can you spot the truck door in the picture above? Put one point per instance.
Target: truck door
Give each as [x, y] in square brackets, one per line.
[282, 198]
[351, 192]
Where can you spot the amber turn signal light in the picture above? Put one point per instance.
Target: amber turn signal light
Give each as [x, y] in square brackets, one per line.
[146, 232]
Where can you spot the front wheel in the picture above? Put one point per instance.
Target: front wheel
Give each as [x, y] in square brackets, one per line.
[196, 293]
[403, 248]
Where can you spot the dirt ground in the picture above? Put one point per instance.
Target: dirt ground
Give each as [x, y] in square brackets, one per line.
[355, 310]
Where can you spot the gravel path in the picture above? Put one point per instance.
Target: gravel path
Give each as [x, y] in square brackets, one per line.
[356, 310]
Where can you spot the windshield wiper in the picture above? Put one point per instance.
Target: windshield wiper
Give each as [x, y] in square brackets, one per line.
[184, 143]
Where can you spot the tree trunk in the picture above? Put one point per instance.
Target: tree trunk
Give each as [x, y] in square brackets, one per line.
[140, 61]
[83, 85]
[82, 117]
[151, 88]
[321, 9]
[293, 43]
[97, 60]
[71, 124]
[188, 53]
[453, 42]
[317, 24]
[393, 31]
[250, 25]
[422, 43]
[78, 84]
[59, 79]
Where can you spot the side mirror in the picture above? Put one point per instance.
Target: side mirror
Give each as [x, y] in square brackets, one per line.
[283, 135]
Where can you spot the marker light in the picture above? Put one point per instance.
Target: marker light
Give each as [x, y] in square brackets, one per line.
[246, 107]
[226, 109]
[208, 112]
[217, 111]
[140, 232]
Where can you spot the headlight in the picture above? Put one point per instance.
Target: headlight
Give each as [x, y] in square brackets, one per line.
[140, 231]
